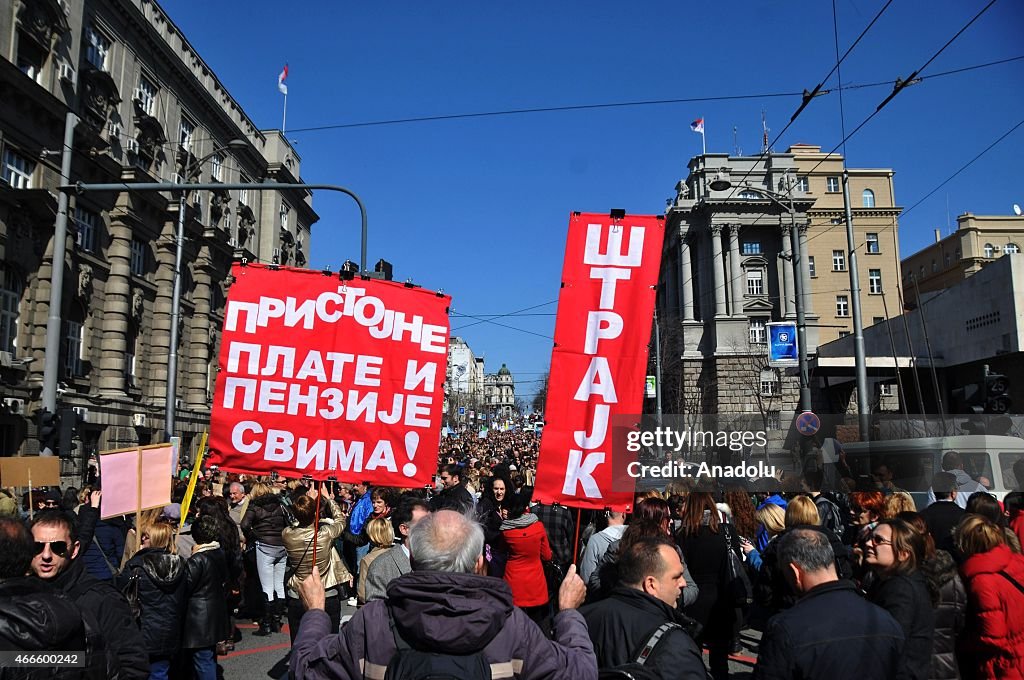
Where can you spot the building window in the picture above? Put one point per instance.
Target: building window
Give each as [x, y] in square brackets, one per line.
[97, 48]
[875, 281]
[803, 184]
[146, 94]
[10, 304]
[838, 261]
[810, 266]
[186, 130]
[17, 169]
[877, 320]
[749, 195]
[88, 224]
[769, 382]
[935, 267]
[751, 248]
[872, 243]
[842, 305]
[284, 216]
[138, 258]
[243, 194]
[886, 389]
[989, 250]
[845, 334]
[773, 420]
[217, 167]
[73, 331]
[868, 198]
[30, 57]
[832, 184]
[946, 261]
[958, 254]
[755, 282]
[921, 273]
[758, 332]
[1010, 248]
[132, 346]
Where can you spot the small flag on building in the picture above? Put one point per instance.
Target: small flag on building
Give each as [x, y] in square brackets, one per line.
[696, 126]
[284, 88]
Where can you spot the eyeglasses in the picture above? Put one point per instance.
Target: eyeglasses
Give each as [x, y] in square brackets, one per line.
[58, 548]
[51, 504]
[878, 539]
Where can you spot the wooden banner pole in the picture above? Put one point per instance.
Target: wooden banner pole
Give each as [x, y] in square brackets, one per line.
[31, 503]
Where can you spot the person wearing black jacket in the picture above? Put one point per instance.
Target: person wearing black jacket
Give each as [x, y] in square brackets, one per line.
[57, 563]
[35, 618]
[945, 513]
[159, 580]
[650, 584]
[494, 497]
[206, 614]
[263, 522]
[454, 495]
[831, 632]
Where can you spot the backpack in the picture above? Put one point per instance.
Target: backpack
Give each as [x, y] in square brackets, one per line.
[637, 670]
[413, 664]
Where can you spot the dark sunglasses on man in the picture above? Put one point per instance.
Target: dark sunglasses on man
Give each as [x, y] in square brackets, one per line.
[58, 548]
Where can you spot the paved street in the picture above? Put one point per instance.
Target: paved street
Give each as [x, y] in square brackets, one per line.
[255, 658]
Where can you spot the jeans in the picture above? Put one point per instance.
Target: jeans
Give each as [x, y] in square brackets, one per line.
[271, 561]
[204, 661]
[296, 609]
[159, 667]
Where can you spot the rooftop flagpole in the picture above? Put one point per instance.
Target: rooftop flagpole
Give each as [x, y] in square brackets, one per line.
[284, 90]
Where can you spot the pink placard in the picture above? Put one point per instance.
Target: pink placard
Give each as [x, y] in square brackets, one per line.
[119, 474]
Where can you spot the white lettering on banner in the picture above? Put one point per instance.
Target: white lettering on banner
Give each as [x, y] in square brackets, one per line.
[601, 326]
[312, 367]
[279, 446]
[597, 380]
[248, 386]
[346, 459]
[609, 276]
[330, 307]
[382, 456]
[297, 398]
[239, 432]
[338, 361]
[287, 355]
[613, 255]
[308, 454]
[580, 471]
[417, 411]
[368, 371]
[333, 397]
[416, 375]
[599, 431]
[235, 357]
[272, 396]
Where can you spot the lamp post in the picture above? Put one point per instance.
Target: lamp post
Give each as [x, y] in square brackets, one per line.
[143, 187]
[171, 399]
[720, 183]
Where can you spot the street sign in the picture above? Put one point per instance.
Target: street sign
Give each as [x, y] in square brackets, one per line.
[782, 348]
[462, 410]
[808, 423]
[651, 389]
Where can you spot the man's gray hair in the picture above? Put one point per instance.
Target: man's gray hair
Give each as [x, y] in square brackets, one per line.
[236, 486]
[446, 541]
[809, 549]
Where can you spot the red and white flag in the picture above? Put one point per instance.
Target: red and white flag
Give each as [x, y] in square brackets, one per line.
[696, 126]
[280, 80]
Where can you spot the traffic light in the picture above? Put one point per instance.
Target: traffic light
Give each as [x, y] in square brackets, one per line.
[997, 393]
[67, 426]
[46, 432]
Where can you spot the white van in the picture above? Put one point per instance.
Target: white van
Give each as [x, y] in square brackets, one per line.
[988, 459]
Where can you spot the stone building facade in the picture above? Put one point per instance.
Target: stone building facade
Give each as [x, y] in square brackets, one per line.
[728, 271]
[500, 393]
[148, 109]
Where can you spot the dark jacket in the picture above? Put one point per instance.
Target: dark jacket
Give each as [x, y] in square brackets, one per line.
[941, 517]
[456, 498]
[704, 553]
[906, 598]
[110, 610]
[37, 618]
[161, 596]
[950, 601]
[206, 613]
[445, 613]
[108, 542]
[264, 520]
[621, 624]
[809, 640]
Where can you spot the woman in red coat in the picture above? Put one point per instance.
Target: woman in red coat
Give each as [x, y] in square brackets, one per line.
[993, 640]
[527, 546]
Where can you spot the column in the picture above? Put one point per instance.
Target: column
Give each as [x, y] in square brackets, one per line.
[719, 267]
[686, 287]
[805, 272]
[199, 333]
[735, 271]
[116, 305]
[786, 267]
[160, 331]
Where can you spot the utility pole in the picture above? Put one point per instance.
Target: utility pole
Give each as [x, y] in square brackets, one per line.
[657, 365]
[51, 365]
[860, 359]
[801, 312]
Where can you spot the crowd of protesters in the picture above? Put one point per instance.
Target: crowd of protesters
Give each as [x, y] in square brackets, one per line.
[474, 576]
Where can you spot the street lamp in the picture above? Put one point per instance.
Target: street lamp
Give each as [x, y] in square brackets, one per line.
[722, 183]
[171, 400]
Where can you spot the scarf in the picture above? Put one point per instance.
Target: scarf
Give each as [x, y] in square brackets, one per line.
[521, 522]
[212, 545]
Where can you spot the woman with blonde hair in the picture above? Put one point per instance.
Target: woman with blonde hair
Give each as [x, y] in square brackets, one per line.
[993, 640]
[801, 511]
[897, 502]
[157, 576]
[382, 537]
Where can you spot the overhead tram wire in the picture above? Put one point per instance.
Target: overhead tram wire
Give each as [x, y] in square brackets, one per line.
[481, 320]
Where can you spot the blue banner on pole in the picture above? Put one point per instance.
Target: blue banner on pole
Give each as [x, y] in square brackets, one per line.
[782, 347]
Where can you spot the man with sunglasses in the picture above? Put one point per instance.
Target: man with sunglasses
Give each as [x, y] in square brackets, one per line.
[56, 550]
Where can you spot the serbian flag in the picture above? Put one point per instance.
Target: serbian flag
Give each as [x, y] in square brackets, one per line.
[696, 126]
[284, 76]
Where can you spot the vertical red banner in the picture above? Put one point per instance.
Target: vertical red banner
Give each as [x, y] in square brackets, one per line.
[599, 362]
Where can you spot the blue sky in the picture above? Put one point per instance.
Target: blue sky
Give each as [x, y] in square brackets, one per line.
[479, 207]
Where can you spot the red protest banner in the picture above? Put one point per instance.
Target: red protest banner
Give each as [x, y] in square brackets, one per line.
[330, 378]
[599, 362]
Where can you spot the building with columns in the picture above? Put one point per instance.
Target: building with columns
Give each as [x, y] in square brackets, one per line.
[728, 271]
[147, 108]
[500, 393]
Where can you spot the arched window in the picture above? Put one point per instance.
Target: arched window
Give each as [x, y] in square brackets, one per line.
[989, 250]
[868, 197]
[1011, 248]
